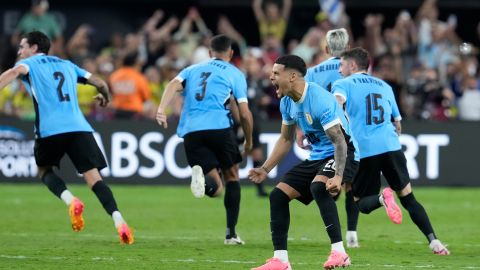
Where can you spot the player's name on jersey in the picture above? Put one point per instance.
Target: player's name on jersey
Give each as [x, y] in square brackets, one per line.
[328, 67]
[367, 80]
[48, 60]
[219, 65]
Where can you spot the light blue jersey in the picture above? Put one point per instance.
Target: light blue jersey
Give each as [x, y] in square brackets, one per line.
[52, 83]
[370, 105]
[316, 111]
[325, 73]
[208, 87]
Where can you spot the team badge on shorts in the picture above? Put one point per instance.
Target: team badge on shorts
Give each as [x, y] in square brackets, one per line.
[309, 118]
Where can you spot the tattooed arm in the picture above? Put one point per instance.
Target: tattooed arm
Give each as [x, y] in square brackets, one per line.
[335, 135]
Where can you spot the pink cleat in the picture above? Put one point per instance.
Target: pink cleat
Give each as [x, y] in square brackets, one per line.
[337, 259]
[438, 248]
[274, 264]
[393, 211]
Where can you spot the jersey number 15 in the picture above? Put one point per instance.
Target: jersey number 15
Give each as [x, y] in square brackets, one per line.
[372, 107]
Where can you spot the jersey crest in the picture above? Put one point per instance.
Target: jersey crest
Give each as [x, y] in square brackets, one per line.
[309, 118]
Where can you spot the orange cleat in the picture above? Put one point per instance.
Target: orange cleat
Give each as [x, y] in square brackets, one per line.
[75, 210]
[125, 234]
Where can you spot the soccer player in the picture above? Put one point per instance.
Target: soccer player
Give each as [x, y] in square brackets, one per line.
[371, 105]
[60, 126]
[205, 125]
[325, 74]
[318, 178]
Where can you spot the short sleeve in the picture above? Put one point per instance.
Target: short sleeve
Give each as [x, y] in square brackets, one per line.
[326, 113]
[183, 75]
[239, 87]
[81, 73]
[339, 88]
[395, 111]
[286, 118]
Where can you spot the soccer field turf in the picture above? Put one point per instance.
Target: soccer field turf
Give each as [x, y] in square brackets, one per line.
[173, 230]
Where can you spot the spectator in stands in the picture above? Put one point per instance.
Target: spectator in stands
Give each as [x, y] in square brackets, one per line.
[22, 104]
[469, 103]
[172, 57]
[78, 46]
[130, 90]
[187, 38]
[157, 38]
[155, 83]
[38, 18]
[272, 21]
[86, 92]
[309, 45]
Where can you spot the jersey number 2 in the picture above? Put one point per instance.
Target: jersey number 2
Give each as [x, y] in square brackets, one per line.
[372, 105]
[203, 84]
[59, 76]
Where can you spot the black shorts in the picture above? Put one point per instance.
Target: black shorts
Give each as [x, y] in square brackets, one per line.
[301, 176]
[212, 149]
[81, 148]
[351, 168]
[392, 165]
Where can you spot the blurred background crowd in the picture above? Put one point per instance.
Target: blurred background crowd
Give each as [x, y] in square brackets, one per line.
[432, 70]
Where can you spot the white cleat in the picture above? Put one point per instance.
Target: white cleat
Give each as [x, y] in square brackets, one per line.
[198, 182]
[438, 248]
[234, 241]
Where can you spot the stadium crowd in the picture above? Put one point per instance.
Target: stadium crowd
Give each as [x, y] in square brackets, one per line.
[434, 74]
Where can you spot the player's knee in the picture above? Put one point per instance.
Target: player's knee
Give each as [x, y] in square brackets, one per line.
[336, 196]
[44, 173]
[212, 189]
[277, 196]
[319, 189]
[363, 207]
[408, 201]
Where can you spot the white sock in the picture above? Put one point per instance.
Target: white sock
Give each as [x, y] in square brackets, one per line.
[351, 234]
[117, 219]
[380, 199]
[67, 196]
[282, 255]
[338, 247]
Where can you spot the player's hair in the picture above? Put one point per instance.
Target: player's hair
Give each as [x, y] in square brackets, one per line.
[130, 59]
[293, 62]
[337, 41]
[359, 55]
[40, 39]
[220, 43]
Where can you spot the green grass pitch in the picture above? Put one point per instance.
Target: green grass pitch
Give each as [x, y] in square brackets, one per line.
[173, 230]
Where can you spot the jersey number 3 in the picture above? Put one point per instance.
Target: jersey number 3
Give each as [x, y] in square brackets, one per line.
[372, 106]
[59, 76]
[203, 84]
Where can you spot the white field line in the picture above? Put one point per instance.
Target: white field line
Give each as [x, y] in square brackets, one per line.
[160, 237]
[189, 261]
